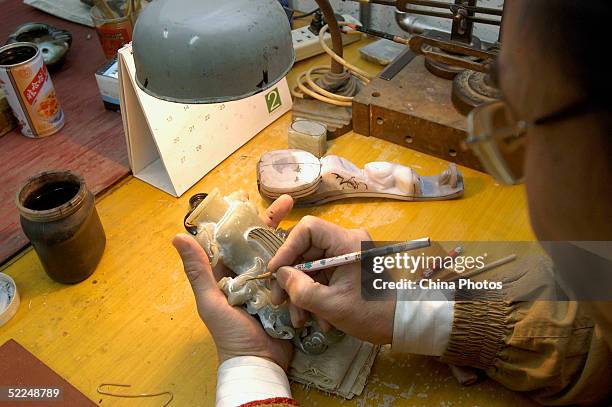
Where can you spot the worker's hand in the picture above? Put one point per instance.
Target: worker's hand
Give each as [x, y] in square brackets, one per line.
[334, 295]
[235, 332]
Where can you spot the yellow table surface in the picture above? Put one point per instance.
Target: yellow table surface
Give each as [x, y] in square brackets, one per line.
[134, 320]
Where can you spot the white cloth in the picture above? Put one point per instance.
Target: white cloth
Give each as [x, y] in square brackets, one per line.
[422, 327]
[248, 378]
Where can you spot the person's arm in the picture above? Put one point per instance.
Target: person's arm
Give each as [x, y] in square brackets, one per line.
[245, 379]
[422, 327]
[252, 364]
[549, 349]
[410, 325]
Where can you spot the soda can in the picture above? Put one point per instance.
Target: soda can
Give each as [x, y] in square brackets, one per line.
[29, 90]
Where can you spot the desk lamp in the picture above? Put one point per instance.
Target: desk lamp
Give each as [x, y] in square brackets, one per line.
[209, 51]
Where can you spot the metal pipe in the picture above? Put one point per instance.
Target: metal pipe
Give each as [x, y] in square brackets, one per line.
[334, 31]
[383, 2]
[413, 24]
[402, 5]
[450, 16]
[444, 5]
[365, 15]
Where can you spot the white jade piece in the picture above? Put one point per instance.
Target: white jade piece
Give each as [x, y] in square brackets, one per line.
[310, 180]
[294, 171]
[222, 229]
[330, 361]
[382, 177]
[308, 135]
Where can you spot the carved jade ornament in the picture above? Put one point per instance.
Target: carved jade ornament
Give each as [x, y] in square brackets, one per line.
[231, 232]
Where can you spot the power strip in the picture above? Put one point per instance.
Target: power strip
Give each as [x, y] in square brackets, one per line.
[306, 44]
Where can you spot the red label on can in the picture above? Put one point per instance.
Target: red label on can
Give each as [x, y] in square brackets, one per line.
[113, 36]
[35, 86]
[31, 95]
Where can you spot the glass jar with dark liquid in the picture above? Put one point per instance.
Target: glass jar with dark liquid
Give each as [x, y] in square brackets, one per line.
[58, 215]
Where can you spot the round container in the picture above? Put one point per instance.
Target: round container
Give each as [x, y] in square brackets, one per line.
[113, 33]
[9, 298]
[29, 90]
[58, 215]
[308, 135]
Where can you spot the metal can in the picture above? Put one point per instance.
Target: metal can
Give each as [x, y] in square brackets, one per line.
[29, 90]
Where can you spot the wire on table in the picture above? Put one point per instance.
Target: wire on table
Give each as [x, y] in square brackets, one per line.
[132, 396]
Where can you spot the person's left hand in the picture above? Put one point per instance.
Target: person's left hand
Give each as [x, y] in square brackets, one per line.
[235, 332]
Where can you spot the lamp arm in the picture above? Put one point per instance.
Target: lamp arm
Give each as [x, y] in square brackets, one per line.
[334, 31]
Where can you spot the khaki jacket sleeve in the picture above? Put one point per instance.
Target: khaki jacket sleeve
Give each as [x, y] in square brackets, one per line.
[552, 350]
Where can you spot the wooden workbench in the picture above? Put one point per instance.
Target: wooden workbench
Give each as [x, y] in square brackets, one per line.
[134, 321]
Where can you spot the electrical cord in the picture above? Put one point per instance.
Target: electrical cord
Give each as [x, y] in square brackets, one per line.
[352, 68]
[306, 14]
[307, 86]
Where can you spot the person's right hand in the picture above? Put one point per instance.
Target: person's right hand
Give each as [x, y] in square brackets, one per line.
[333, 295]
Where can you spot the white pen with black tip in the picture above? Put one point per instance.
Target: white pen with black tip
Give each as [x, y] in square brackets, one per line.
[356, 257]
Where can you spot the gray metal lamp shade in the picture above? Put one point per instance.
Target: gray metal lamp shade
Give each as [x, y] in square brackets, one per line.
[207, 51]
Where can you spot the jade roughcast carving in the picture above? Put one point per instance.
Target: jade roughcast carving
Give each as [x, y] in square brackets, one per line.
[231, 232]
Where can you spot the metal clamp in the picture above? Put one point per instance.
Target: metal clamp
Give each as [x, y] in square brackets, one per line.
[453, 55]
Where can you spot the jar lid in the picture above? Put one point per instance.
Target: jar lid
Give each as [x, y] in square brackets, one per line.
[63, 207]
[9, 298]
[309, 127]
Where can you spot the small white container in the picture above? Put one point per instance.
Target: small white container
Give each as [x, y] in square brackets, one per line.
[9, 298]
[308, 135]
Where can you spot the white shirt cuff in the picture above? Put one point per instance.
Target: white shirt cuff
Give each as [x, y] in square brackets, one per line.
[422, 327]
[249, 378]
